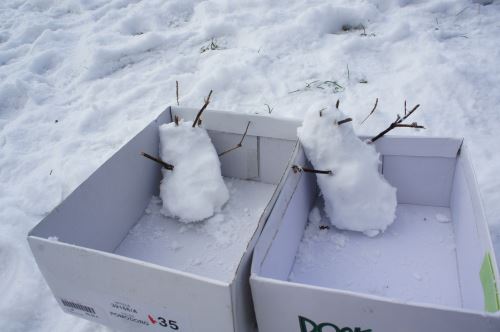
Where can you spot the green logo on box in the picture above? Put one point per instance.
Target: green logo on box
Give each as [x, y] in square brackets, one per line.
[307, 325]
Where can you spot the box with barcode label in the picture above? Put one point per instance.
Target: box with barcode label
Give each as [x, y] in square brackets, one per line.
[109, 255]
[432, 270]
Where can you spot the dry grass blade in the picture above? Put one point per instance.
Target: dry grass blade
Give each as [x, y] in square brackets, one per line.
[373, 110]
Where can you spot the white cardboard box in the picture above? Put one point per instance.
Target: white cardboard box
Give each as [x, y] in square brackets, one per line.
[432, 270]
[76, 245]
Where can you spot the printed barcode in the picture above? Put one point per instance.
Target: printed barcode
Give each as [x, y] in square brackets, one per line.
[78, 306]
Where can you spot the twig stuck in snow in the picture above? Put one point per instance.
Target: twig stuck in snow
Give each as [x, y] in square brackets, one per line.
[198, 116]
[177, 91]
[159, 161]
[300, 169]
[373, 110]
[344, 121]
[413, 125]
[239, 145]
[398, 123]
[269, 108]
[176, 120]
[337, 104]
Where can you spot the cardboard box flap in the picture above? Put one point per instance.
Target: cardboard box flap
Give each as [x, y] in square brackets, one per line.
[265, 126]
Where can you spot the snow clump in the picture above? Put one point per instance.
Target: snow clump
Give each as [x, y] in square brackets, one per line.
[357, 197]
[194, 190]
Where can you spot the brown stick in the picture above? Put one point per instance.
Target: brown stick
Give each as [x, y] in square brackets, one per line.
[159, 161]
[239, 145]
[176, 120]
[337, 104]
[398, 123]
[177, 91]
[413, 125]
[409, 113]
[300, 169]
[344, 121]
[373, 110]
[198, 116]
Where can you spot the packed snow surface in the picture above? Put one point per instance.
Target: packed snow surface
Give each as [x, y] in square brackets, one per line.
[194, 190]
[413, 261]
[79, 78]
[212, 248]
[357, 197]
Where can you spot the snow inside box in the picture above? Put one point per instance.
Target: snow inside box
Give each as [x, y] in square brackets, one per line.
[433, 269]
[110, 256]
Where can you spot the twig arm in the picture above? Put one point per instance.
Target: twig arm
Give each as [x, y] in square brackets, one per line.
[300, 169]
[168, 166]
[198, 116]
[240, 144]
[344, 121]
[398, 123]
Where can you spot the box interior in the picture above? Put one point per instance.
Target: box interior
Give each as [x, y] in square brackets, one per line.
[431, 254]
[116, 209]
[211, 248]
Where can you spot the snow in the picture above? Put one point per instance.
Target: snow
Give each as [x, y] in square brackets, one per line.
[357, 197]
[194, 189]
[413, 261]
[64, 110]
[211, 248]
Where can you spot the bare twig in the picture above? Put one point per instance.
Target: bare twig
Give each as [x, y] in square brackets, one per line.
[337, 104]
[413, 125]
[348, 73]
[344, 121]
[300, 169]
[405, 107]
[176, 120]
[159, 161]
[321, 112]
[398, 123]
[198, 116]
[410, 113]
[269, 108]
[240, 144]
[177, 91]
[373, 110]
[322, 227]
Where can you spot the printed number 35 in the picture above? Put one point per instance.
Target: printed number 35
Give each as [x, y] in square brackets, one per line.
[171, 323]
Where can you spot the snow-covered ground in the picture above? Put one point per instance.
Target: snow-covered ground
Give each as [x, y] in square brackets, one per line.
[78, 78]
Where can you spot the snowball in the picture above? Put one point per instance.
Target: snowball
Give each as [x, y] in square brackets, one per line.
[356, 196]
[194, 190]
